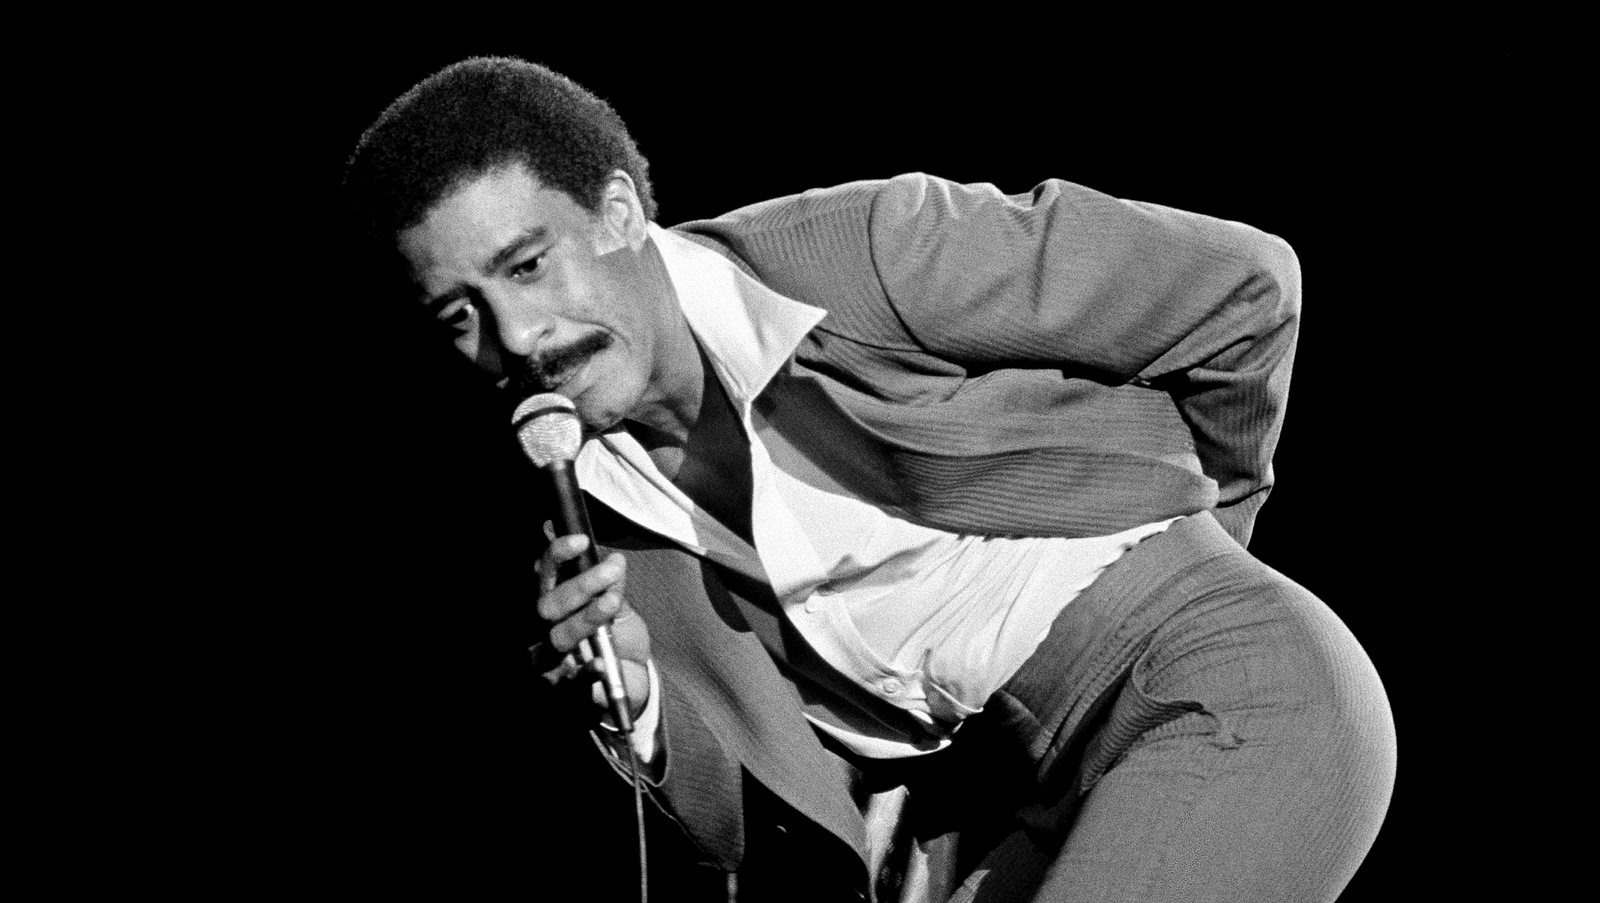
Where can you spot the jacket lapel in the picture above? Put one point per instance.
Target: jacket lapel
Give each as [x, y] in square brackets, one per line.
[701, 633]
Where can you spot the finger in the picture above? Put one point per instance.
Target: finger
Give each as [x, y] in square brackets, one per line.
[585, 621]
[560, 550]
[563, 549]
[567, 597]
[548, 658]
[603, 609]
[566, 669]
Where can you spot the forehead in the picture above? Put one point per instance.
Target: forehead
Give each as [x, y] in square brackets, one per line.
[491, 212]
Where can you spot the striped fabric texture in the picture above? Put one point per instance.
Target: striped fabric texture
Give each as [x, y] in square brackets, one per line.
[1055, 363]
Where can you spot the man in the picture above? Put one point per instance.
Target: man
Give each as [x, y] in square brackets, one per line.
[910, 480]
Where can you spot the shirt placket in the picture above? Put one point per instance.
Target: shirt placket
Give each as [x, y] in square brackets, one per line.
[796, 576]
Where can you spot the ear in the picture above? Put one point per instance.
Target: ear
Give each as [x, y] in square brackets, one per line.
[621, 217]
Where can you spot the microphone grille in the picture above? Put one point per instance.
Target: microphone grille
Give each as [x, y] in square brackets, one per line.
[548, 428]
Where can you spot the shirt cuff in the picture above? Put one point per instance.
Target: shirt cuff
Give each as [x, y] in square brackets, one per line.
[648, 724]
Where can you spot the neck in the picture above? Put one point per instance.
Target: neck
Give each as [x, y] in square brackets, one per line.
[713, 467]
[668, 437]
[677, 384]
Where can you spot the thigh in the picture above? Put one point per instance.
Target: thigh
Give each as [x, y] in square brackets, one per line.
[1267, 772]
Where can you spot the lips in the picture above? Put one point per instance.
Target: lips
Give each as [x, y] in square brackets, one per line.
[555, 381]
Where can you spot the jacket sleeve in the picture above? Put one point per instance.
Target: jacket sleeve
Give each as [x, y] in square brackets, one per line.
[1120, 291]
[955, 280]
[726, 712]
[692, 781]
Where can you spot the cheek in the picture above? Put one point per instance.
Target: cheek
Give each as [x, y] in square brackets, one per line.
[604, 295]
[592, 303]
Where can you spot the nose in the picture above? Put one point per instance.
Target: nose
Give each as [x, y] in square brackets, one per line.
[522, 327]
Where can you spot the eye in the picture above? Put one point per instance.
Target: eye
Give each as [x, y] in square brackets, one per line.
[529, 268]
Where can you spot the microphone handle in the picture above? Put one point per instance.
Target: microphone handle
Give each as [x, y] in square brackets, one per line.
[574, 518]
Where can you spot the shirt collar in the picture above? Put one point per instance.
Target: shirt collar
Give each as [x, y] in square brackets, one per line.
[747, 330]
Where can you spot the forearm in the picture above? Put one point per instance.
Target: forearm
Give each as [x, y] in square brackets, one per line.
[1115, 291]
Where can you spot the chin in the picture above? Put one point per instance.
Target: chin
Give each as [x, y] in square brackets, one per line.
[596, 418]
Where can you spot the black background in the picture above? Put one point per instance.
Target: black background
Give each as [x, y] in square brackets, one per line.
[402, 566]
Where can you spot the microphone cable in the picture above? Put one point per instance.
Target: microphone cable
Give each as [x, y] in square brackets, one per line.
[550, 434]
[638, 814]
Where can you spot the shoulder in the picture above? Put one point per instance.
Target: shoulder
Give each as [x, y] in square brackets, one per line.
[828, 216]
[816, 247]
[837, 242]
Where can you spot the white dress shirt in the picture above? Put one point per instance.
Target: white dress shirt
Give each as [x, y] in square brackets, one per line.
[928, 621]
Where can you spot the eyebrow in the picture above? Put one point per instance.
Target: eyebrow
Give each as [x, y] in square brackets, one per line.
[529, 236]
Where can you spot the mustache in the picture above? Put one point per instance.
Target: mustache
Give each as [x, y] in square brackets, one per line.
[544, 373]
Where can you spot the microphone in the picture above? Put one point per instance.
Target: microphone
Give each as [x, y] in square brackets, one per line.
[548, 428]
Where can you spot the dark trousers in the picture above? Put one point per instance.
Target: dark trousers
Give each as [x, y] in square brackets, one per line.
[1195, 727]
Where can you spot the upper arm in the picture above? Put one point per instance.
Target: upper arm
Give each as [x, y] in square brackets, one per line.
[1067, 276]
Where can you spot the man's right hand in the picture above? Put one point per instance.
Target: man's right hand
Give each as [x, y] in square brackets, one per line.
[574, 608]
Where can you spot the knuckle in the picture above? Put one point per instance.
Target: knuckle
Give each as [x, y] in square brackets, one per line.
[578, 628]
[561, 637]
[548, 609]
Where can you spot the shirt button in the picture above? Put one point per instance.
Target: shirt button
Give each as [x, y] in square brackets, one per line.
[892, 687]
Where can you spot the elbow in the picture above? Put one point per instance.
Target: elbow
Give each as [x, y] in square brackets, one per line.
[1277, 263]
[1265, 277]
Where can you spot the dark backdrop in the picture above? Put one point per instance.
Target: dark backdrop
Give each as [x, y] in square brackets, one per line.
[415, 755]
